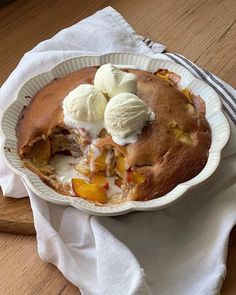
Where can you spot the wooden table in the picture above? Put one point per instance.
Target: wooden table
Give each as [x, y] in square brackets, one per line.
[202, 30]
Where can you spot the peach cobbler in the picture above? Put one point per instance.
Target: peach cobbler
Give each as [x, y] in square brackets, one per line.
[109, 135]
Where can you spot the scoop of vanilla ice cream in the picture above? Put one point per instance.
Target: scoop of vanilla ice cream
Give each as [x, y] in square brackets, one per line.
[111, 80]
[84, 108]
[85, 103]
[125, 117]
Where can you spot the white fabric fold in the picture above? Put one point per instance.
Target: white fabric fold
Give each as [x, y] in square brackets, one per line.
[179, 250]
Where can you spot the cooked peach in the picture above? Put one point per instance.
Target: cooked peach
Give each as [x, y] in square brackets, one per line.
[100, 179]
[180, 134]
[97, 163]
[188, 94]
[76, 183]
[100, 162]
[120, 164]
[163, 74]
[170, 77]
[164, 77]
[92, 192]
[135, 177]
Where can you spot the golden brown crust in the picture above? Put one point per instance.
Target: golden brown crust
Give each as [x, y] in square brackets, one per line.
[172, 149]
[167, 161]
[44, 113]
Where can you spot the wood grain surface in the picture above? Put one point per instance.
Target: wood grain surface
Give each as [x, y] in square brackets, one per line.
[23, 273]
[202, 30]
[16, 216]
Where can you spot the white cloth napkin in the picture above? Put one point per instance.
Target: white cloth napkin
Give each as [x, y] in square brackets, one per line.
[175, 251]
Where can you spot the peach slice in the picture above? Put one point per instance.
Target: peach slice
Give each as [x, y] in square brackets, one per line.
[100, 162]
[76, 183]
[120, 164]
[135, 177]
[168, 76]
[97, 163]
[91, 192]
[100, 179]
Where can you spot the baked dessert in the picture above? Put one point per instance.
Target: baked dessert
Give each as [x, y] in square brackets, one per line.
[155, 134]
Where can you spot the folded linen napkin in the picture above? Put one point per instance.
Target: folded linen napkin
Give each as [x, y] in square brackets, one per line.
[179, 250]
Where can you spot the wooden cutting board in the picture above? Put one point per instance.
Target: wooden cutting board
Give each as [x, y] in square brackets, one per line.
[16, 216]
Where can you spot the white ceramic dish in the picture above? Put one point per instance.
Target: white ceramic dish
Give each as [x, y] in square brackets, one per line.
[218, 123]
